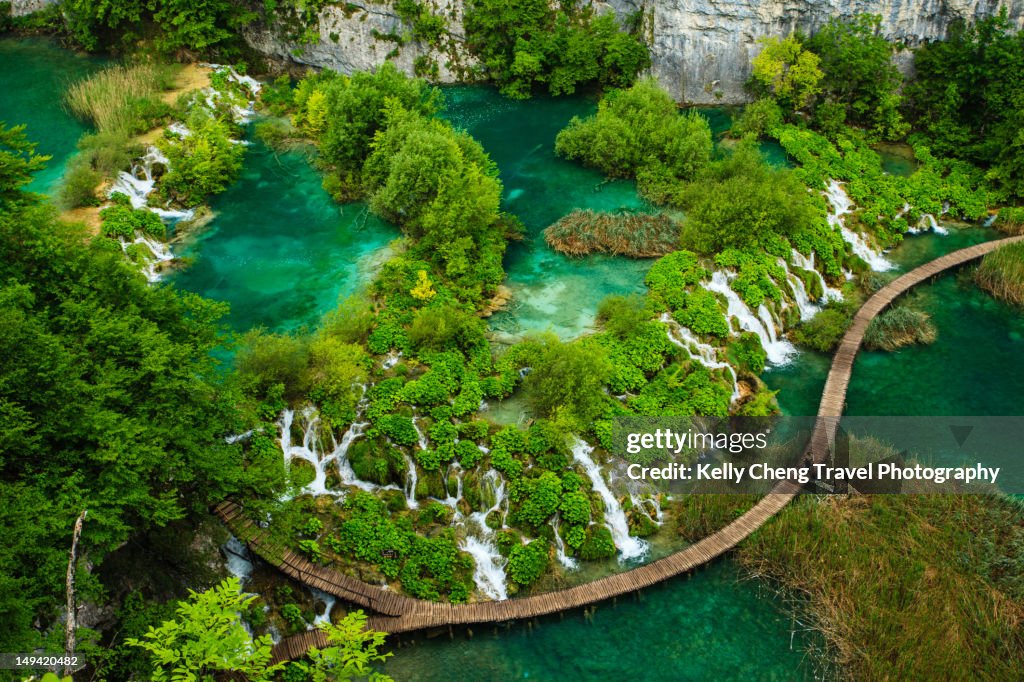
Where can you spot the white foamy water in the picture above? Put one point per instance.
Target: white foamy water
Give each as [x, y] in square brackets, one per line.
[629, 547]
[841, 205]
[779, 351]
[238, 560]
[703, 353]
[489, 564]
[563, 558]
[807, 263]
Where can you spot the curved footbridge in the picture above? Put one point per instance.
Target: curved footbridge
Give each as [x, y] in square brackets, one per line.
[394, 613]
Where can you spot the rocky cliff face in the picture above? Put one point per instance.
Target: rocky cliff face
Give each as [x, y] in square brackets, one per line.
[360, 36]
[700, 49]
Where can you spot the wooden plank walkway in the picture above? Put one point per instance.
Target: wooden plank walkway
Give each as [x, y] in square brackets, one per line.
[394, 613]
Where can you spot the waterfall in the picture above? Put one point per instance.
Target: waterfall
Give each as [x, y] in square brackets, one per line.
[801, 298]
[628, 546]
[308, 451]
[489, 570]
[391, 360]
[329, 601]
[778, 351]
[703, 353]
[410, 483]
[933, 225]
[563, 558]
[807, 263]
[238, 560]
[841, 205]
[656, 515]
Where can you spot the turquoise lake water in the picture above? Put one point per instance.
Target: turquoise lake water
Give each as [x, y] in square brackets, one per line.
[34, 73]
[279, 249]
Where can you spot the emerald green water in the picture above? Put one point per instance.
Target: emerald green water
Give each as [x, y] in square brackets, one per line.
[708, 626]
[279, 249]
[34, 73]
[551, 291]
[967, 371]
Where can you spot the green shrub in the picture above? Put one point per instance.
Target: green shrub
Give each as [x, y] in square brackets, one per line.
[637, 128]
[79, 186]
[598, 544]
[121, 220]
[527, 563]
[823, 331]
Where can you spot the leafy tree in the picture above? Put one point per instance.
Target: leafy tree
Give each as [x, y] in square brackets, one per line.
[175, 24]
[204, 162]
[351, 652]
[743, 203]
[636, 129]
[967, 95]
[109, 401]
[208, 638]
[788, 72]
[859, 73]
[526, 44]
[18, 161]
[568, 379]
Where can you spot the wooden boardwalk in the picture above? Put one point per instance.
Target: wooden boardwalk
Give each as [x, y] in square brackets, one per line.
[394, 613]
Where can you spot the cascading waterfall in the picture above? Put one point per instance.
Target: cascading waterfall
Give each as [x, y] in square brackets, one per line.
[841, 205]
[703, 353]
[807, 263]
[933, 225]
[138, 183]
[649, 506]
[320, 461]
[410, 483]
[801, 298]
[238, 560]
[307, 450]
[778, 351]
[560, 553]
[489, 571]
[329, 601]
[629, 547]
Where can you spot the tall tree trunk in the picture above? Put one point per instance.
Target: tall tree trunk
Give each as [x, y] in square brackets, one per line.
[70, 624]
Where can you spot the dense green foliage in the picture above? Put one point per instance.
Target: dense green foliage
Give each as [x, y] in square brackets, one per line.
[208, 639]
[786, 71]
[378, 138]
[528, 44]
[636, 131]
[109, 402]
[202, 163]
[742, 203]
[860, 84]
[966, 99]
[172, 25]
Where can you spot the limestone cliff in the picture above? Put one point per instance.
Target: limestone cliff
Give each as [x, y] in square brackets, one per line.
[700, 49]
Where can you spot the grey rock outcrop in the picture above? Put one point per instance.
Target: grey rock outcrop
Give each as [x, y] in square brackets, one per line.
[700, 49]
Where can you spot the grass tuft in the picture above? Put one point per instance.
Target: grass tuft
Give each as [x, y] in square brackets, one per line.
[1001, 273]
[638, 235]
